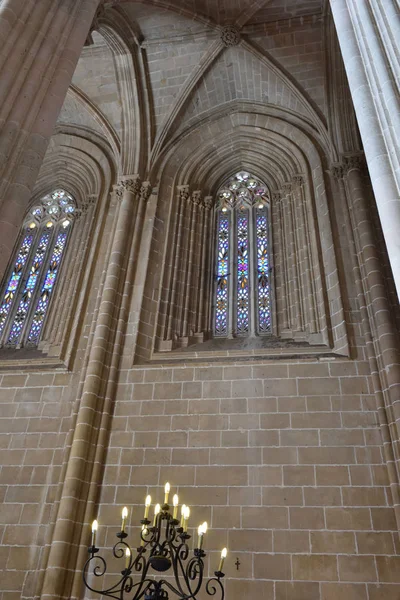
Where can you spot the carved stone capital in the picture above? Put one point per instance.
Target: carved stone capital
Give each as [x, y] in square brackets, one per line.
[276, 196]
[338, 171]
[145, 190]
[208, 202]
[348, 163]
[355, 161]
[196, 197]
[230, 36]
[131, 184]
[91, 199]
[287, 188]
[183, 191]
[298, 180]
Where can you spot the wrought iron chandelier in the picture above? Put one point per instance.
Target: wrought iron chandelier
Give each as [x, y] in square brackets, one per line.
[163, 547]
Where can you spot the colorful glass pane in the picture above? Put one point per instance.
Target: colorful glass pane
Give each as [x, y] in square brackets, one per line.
[15, 278]
[263, 284]
[47, 288]
[242, 325]
[221, 300]
[23, 306]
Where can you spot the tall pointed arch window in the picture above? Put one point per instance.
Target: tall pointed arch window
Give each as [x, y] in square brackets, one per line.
[29, 286]
[242, 295]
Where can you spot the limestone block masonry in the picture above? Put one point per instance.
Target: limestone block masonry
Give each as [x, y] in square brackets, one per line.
[287, 445]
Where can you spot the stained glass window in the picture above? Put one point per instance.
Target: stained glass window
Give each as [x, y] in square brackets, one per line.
[28, 289]
[242, 291]
[221, 308]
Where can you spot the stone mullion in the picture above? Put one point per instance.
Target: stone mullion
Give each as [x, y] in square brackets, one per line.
[194, 287]
[388, 451]
[312, 263]
[184, 263]
[304, 243]
[171, 251]
[75, 277]
[279, 263]
[297, 270]
[183, 194]
[204, 240]
[92, 404]
[373, 81]
[50, 40]
[68, 280]
[288, 249]
[190, 262]
[379, 310]
[191, 293]
[209, 264]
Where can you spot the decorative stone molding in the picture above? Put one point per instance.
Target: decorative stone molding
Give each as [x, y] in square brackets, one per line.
[338, 171]
[183, 191]
[145, 190]
[131, 184]
[208, 202]
[276, 196]
[348, 163]
[355, 161]
[298, 180]
[230, 36]
[196, 197]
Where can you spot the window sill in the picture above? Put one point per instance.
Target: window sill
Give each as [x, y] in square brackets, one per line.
[245, 349]
[31, 359]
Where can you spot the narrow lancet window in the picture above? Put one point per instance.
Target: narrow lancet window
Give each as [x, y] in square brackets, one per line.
[242, 292]
[28, 289]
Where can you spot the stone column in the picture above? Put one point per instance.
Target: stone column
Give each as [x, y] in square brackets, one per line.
[385, 350]
[41, 41]
[183, 191]
[196, 198]
[92, 409]
[362, 288]
[369, 34]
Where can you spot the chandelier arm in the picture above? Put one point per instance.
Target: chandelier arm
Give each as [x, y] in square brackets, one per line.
[139, 585]
[107, 592]
[194, 571]
[141, 566]
[179, 592]
[183, 551]
[212, 590]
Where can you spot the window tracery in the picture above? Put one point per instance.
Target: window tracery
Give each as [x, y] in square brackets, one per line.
[242, 292]
[29, 287]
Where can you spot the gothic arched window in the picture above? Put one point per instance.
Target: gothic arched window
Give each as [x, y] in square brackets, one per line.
[34, 269]
[242, 295]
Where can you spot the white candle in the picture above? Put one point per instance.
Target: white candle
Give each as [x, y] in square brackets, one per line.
[147, 506]
[124, 515]
[166, 490]
[223, 556]
[175, 501]
[95, 526]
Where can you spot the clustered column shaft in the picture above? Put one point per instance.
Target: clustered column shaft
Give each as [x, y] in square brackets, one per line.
[85, 440]
[186, 286]
[368, 33]
[378, 327]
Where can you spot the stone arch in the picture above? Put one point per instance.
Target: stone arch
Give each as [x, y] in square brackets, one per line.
[291, 157]
[84, 164]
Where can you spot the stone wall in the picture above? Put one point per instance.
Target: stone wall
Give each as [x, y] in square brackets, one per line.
[291, 459]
